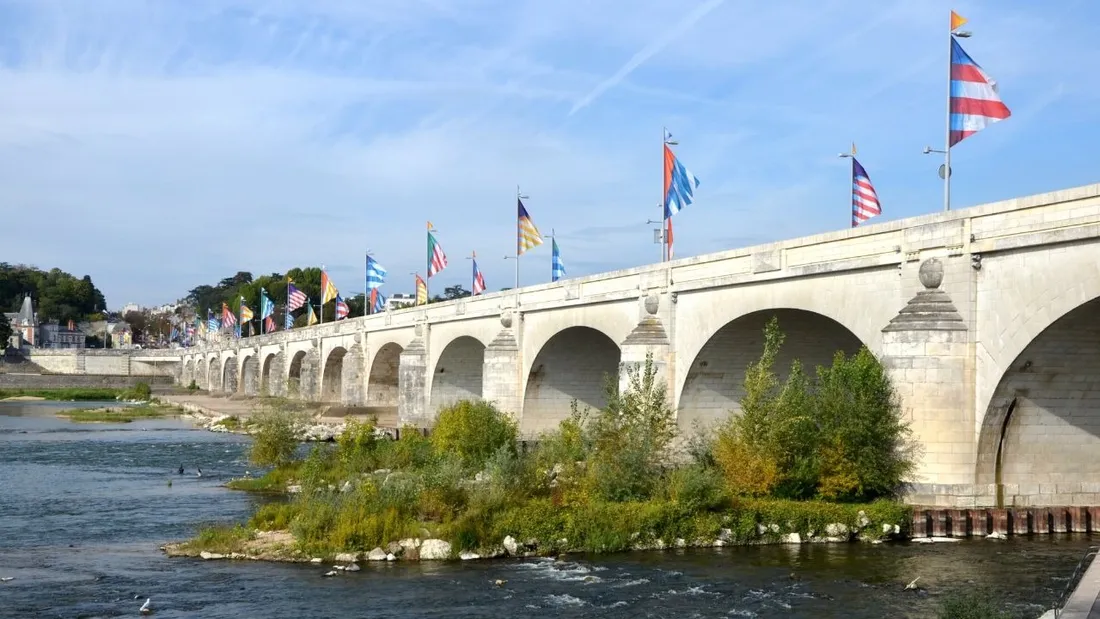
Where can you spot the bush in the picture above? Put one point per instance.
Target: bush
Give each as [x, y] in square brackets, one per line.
[696, 488]
[839, 437]
[275, 436]
[474, 431]
[139, 391]
[973, 604]
[193, 386]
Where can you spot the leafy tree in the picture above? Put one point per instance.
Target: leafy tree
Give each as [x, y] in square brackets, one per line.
[455, 292]
[5, 331]
[57, 294]
[473, 431]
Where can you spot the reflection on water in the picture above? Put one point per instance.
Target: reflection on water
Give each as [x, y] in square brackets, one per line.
[84, 507]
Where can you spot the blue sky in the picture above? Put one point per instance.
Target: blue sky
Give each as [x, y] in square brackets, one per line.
[158, 145]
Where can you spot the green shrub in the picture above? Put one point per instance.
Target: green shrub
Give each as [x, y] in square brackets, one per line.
[275, 435]
[273, 516]
[193, 386]
[412, 450]
[474, 431]
[139, 391]
[696, 488]
[973, 604]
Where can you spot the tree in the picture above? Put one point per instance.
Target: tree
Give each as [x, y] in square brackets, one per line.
[5, 331]
[455, 292]
[58, 295]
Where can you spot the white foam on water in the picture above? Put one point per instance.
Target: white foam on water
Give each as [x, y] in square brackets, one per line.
[631, 583]
[564, 599]
[741, 612]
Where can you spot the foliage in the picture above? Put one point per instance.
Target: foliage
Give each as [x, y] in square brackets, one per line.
[473, 431]
[193, 386]
[5, 330]
[455, 292]
[57, 294]
[275, 436]
[275, 480]
[973, 604]
[221, 538]
[69, 394]
[838, 437]
[113, 415]
[140, 391]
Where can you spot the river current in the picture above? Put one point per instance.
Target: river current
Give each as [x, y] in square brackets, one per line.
[84, 508]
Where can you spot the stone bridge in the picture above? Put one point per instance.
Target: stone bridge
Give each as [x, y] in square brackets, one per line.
[986, 317]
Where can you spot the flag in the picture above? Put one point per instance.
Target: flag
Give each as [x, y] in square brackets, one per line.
[479, 279]
[421, 291]
[376, 274]
[668, 236]
[246, 312]
[680, 184]
[267, 306]
[528, 235]
[312, 320]
[171, 335]
[378, 301]
[957, 21]
[556, 264]
[437, 260]
[288, 319]
[974, 102]
[228, 319]
[211, 321]
[269, 324]
[341, 308]
[865, 203]
[328, 289]
[294, 298]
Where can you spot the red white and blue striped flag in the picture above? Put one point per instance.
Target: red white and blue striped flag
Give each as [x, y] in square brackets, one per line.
[975, 102]
[479, 280]
[342, 309]
[295, 298]
[865, 203]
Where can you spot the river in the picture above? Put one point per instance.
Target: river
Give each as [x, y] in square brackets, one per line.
[84, 508]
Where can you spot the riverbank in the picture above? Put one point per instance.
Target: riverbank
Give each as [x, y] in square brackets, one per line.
[233, 415]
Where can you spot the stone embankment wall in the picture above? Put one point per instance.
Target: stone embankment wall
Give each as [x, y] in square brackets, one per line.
[1004, 522]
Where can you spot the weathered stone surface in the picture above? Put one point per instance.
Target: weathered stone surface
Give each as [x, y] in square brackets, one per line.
[435, 550]
[510, 545]
[347, 557]
[376, 554]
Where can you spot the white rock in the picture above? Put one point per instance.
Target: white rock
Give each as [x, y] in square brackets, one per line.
[346, 486]
[725, 535]
[659, 544]
[836, 529]
[774, 528]
[410, 543]
[510, 545]
[897, 529]
[376, 555]
[354, 567]
[315, 560]
[293, 489]
[391, 557]
[435, 550]
[339, 568]
[330, 573]
[996, 536]
[934, 540]
[718, 543]
[863, 520]
[466, 555]
[347, 557]
[761, 529]
[792, 538]
[211, 555]
[887, 529]
[680, 542]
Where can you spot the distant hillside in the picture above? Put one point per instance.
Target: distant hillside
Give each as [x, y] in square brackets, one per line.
[57, 295]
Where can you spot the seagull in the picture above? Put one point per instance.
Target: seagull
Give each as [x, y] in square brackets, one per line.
[147, 607]
[199, 474]
[7, 578]
[912, 585]
[181, 470]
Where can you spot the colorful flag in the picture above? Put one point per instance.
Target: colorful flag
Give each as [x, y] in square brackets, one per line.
[865, 203]
[267, 306]
[975, 102]
[211, 321]
[378, 301]
[479, 279]
[421, 291]
[312, 320]
[172, 335]
[328, 289]
[342, 309]
[269, 324]
[557, 266]
[528, 235]
[680, 184]
[246, 312]
[228, 318]
[437, 260]
[288, 320]
[72, 325]
[294, 298]
[376, 274]
[957, 21]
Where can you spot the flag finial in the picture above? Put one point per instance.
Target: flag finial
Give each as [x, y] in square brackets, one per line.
[957, 21]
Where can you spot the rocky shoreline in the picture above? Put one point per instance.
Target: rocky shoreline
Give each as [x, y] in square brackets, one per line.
[317, 430]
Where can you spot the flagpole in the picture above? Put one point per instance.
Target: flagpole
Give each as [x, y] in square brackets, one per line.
[552, 245]
[664, 211]
[947, 123]
[851, 180]
[321, 307]
[428, 266]
[519, 196]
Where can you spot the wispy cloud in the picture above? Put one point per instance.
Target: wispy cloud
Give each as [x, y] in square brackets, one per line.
[648, 52]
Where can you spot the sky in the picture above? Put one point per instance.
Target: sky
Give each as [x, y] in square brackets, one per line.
[157, 145]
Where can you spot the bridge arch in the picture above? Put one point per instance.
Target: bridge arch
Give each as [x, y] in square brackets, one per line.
[294, 374]
[230, 375]
[382, 380]
[268, 375]
[574, 364]
[250, 374]
[1041, 426]
[213, 375]
[188, 373]
[714, 382]
[332, 383]
[458, 373]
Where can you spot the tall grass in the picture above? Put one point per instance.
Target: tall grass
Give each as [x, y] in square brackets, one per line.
[70, 394]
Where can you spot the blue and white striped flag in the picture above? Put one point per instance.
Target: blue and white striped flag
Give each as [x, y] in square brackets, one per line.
[557, 266]
[376, 274]
[379, 303]
[288, 321]
[211, 322]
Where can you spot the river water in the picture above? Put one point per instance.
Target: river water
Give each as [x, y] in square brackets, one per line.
[84, 508]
